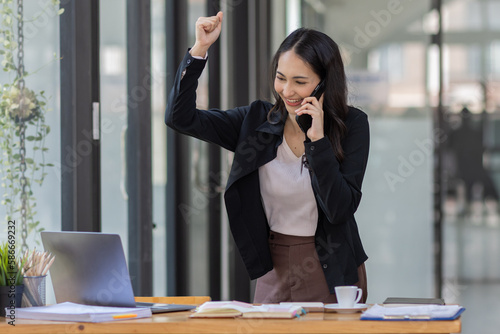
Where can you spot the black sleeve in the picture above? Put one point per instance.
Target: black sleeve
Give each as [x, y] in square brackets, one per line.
[338, 185]
[221, 127]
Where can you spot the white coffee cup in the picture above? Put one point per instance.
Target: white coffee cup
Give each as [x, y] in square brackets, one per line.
[347, 296]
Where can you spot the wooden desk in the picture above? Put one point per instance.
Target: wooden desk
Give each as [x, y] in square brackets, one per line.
[179, 322]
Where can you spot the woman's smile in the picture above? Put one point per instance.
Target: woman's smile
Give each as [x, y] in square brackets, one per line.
[293, 103]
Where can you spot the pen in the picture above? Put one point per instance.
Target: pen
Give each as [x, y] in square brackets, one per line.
[125, 316]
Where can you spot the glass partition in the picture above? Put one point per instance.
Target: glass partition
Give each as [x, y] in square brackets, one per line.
[197, 209]
[472, 101]
[114, 101]
[159, 134]
[113, 84]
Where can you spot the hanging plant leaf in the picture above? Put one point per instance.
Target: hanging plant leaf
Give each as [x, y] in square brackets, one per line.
[22, 110]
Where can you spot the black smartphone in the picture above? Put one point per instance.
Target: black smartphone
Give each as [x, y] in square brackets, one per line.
[305, 120]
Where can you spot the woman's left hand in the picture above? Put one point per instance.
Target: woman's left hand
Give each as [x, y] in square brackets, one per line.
[313, 107]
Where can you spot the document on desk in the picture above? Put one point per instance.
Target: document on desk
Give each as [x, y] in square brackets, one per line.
[81, 313]
[416, 312]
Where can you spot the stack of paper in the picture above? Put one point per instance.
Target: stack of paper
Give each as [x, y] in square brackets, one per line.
[417, 312]
[81, 313]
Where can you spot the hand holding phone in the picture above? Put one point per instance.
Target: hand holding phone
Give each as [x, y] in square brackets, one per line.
[305, 120]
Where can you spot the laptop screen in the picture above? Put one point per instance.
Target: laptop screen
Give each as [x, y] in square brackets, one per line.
[89, 268]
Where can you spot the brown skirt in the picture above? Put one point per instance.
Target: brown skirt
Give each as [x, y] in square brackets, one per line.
[297, 275]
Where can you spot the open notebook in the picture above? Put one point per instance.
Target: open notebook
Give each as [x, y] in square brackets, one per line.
[232, 309]
[90, 268]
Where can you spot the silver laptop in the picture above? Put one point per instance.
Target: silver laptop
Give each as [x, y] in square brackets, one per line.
[90, 268]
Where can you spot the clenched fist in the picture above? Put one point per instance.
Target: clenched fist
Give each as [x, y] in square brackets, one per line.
[207, 32]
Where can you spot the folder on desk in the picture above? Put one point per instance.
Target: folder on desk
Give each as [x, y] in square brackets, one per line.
[416, 312]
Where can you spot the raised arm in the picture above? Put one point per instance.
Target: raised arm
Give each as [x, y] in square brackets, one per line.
[221, 127]
[207, 32]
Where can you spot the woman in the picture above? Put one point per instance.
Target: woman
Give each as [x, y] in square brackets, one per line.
[290, 196]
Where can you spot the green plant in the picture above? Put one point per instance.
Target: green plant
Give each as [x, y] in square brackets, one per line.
[22, 124]
[10, 266]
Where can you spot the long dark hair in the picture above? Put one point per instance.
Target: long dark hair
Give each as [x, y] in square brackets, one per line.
[323, 55]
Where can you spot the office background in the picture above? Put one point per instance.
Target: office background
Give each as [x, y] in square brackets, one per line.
[412, 66]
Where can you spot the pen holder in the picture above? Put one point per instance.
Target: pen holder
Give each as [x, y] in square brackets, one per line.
[34, 291]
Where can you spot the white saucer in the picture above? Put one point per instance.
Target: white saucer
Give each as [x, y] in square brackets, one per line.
[338, 309]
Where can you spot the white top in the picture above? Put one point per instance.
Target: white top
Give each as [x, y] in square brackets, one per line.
[287, 195]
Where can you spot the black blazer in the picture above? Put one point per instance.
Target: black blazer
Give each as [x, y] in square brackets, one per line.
[254, 141]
